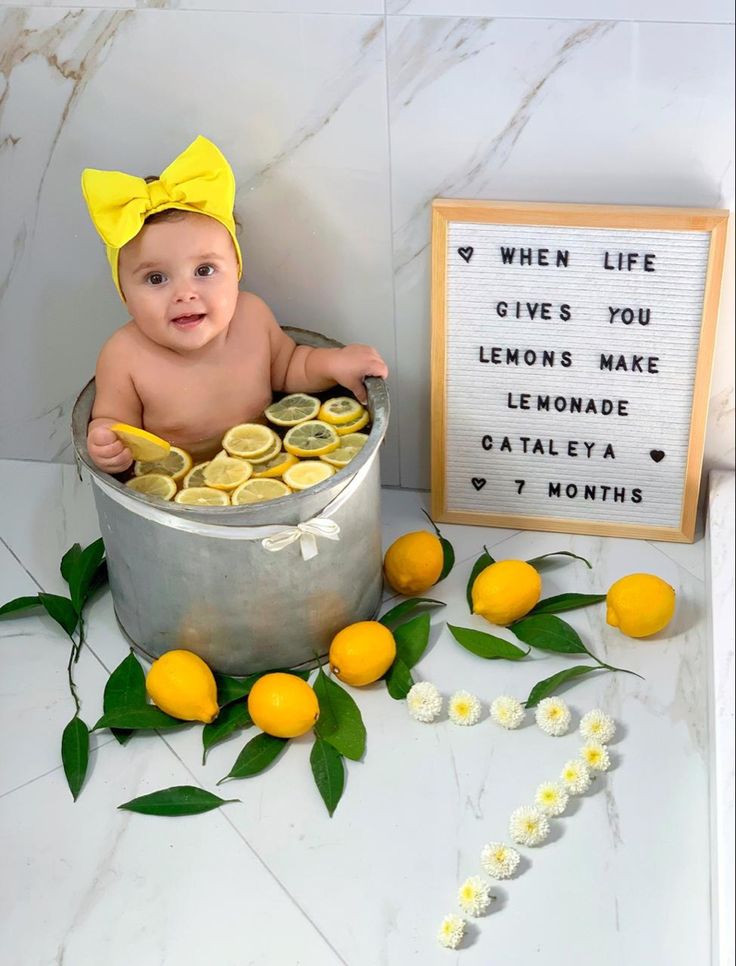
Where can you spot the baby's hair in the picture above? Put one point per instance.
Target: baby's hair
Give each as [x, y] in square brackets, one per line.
[173, 214]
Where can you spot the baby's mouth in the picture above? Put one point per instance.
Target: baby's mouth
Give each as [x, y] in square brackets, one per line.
[187, 321]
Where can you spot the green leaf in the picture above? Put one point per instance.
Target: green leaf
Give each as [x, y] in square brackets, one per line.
[69, 561]
[138, 719]
[20, 603]
[257, 755]
[399, 680]
[232, 718]
[125, 689]
[339, 722]
[563, 602]
[62, 610]
[448, 552]
[486, 645]
[178, 800]
[485, 560]
[559, 553]
[412, 639]
[99, 579]
[406, 607]
[549, 633]
[550, 685]
[82, 568]
[329, 773]
[75, 754]
[231, 689]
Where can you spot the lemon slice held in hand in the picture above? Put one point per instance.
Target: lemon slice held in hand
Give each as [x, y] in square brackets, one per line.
[292, 410]
[340, 409]
[258, 491]
[153, 484]
[226, 472]
[313, 438]
[176, 465]
[202, 496]
[142, 445]
[307, 473]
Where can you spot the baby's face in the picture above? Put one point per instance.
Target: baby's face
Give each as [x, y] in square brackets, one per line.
[180, 281]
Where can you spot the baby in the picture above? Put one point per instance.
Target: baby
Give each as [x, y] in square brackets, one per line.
[197, 356]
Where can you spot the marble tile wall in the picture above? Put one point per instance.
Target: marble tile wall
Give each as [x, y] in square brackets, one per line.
[343, 119]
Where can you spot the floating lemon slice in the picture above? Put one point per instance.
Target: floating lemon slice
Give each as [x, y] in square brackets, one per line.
[274, 467]
[258, 491]
[291, 410]
[248, 440]
[348, 449]
[313, 438]
[176, 465]
[153, 484]
[195, 476]
[354, 425]
[307, 473]
[270, 453]
[202, 496]
[226, 472]
[142, 445]
[340, 409]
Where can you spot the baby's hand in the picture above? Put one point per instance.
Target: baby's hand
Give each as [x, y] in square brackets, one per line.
[107, 450]
[353, 364]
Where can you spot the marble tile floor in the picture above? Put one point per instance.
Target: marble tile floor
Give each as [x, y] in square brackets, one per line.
[272, 880]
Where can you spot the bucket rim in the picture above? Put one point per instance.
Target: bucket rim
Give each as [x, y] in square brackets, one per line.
[378, 407]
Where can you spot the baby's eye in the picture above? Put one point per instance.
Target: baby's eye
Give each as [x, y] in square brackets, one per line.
[155, 278]
[204, 271]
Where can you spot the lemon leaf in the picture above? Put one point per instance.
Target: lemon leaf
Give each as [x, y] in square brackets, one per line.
[20, 603]
[412, 639]
[552, 684]
[549, 633]
[406, 607]
[558, 553]
[486, 645]
[563, 602]
[328, 769]
[257, 755]
[125, 688]
[232, 718]
[75, 754]
[70, 560]
[81, 568]
[62, 610]
[231, 689]
[177, 800]
[485, 560]
[340, 722]
[448, 551]
[399, 681]
[138, 719]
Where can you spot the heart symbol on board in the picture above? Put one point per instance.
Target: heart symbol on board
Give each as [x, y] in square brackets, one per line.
[657, 455]
[466, 253]
[478, 482]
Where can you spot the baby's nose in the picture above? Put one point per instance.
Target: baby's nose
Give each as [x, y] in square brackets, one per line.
[185, 293]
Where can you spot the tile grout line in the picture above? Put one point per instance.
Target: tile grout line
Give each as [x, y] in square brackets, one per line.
[51, 771]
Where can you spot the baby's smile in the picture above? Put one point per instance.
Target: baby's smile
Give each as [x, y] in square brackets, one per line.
[187, 321]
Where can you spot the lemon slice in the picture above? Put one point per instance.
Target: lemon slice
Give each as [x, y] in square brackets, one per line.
[176, 465]
[348, 449]
[341, 409]
[153, 484]
[354, 425]
[257, 491]
[270, 453]
[202, 496]
[248, 440]
[226, 472]
[291, 410]
[274, 467]
[195, 476]
[307, 473]
[142, 445]
[313, 438]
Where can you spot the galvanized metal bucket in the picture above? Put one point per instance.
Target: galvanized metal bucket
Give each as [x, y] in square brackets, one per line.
[247, 588]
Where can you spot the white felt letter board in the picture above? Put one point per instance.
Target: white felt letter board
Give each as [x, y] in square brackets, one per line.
[572, 348]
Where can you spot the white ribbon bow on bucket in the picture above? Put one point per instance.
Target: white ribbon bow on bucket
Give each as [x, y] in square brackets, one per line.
[306, 534]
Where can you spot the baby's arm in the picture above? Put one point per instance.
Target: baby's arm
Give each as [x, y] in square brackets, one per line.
[301, 368]
[116, 401]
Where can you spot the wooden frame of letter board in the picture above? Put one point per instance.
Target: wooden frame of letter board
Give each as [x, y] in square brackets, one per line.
[712, 220]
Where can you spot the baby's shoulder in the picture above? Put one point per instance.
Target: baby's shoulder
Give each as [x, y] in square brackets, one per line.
[252, 315]
[122, 342]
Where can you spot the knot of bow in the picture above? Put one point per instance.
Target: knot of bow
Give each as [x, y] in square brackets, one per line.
[306, 533]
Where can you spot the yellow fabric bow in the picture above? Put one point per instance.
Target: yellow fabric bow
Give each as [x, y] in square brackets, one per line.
[199, 180]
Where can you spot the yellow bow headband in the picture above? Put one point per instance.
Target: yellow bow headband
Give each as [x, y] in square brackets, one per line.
[199, 180]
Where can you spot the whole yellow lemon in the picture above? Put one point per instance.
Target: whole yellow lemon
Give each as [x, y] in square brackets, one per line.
[283, 705]
[640, 604]
[505, 591]
[181, 684]
[414, 562]
[362, 653]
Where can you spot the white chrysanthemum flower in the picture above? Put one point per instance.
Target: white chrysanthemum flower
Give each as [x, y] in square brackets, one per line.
[451, 931]
[576, 777]
[507, 711]
[464, 708]
[551, 798]
[474, 896]
[424, 702]
[499, 861]
[553, 716]
[595, 755]
[596, 725]
[528, 826]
